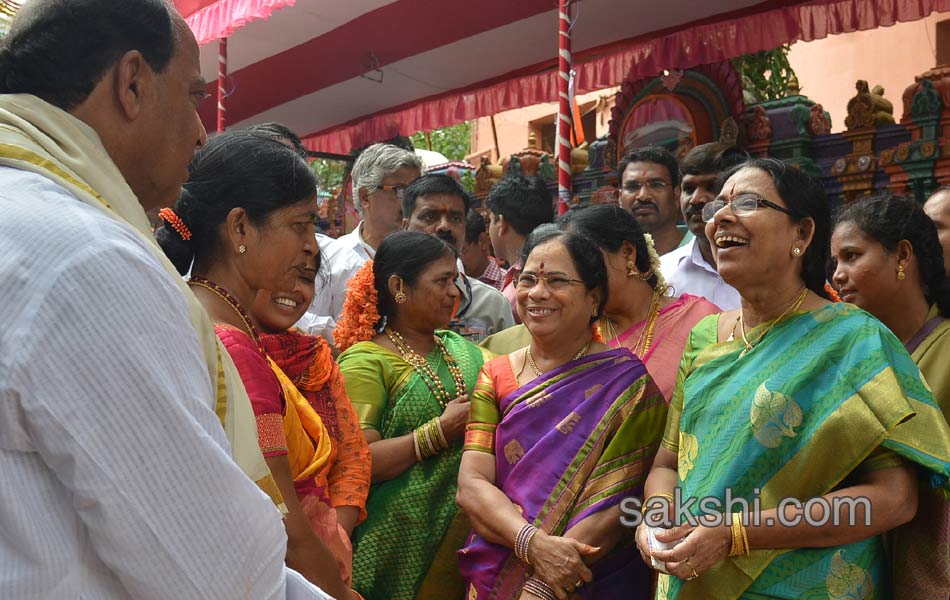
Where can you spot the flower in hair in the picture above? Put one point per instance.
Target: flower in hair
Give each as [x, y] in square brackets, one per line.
[171, 217]
[360, 310]
[655, 262]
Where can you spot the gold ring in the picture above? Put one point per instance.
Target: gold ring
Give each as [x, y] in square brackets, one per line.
[578, 583]
[692, 571]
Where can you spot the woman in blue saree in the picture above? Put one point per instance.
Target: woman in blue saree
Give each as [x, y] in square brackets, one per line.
[559, 434]
[790, 401]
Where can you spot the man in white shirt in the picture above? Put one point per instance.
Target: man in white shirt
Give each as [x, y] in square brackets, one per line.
[649, 188]
[690, 269]
[437, 204]
[380, 176]
[118, 476]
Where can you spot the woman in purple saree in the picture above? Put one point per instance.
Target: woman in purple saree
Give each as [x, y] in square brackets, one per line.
[559, 434]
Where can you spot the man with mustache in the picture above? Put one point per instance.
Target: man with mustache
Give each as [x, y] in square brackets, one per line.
[517, 206]
[649, 186]
[691, 268]
[437, 204]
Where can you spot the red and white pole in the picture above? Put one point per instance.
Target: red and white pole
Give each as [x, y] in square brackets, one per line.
[565, 112]
[222, 80]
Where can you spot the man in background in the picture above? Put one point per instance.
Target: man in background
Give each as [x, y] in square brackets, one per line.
[437, 204]
[691, 268]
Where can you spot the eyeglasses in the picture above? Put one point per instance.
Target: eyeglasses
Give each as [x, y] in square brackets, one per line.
[654, 185]
[742, 205]
[399, 191]
[528, 281]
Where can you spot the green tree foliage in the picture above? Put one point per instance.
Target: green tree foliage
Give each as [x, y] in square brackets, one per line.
[766, 75]
[454, 142]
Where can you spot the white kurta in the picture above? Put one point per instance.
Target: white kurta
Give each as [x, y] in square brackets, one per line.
[688, 273]
[117, 480]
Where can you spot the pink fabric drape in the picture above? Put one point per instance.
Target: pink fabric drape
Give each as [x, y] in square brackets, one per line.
[215, 19]
[711, 41]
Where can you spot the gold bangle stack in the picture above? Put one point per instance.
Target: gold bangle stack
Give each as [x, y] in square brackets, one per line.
[740, 538]
[429, 439]
[646, 503]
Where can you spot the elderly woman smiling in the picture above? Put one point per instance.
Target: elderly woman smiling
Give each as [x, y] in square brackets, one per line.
[789, 397]
[559, 433]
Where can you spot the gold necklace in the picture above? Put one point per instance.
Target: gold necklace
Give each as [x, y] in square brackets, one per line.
[231, 301]
[425, 370]
[646, 334]
[791, 308]
[537, 371]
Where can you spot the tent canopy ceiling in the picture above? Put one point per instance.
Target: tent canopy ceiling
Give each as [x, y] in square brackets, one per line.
[316, 65]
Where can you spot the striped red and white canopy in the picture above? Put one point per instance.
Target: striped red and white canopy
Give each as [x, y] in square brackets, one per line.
[344, 73]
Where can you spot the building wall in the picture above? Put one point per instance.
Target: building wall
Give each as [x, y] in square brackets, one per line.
[827, 70]
[888, 56]
[514, 126]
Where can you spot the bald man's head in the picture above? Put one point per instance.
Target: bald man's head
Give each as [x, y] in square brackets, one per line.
[937, 208]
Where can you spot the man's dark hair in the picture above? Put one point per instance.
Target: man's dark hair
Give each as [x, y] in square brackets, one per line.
[651, 154]
[712, 158]
[59, 50]
[433, 183]
[277, 131]
[525, 202]
[474, 226]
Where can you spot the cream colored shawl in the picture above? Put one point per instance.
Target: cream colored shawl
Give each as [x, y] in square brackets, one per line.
[38, 137]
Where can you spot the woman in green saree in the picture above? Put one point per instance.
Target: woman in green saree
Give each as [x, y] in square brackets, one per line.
[811, 412]
[890, 263]
[409, 381]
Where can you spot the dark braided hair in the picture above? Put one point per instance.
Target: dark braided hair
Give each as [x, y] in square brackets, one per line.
[888, 219]
[609, 225]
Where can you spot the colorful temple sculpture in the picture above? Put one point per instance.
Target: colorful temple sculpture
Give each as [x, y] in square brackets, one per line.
[681, 109]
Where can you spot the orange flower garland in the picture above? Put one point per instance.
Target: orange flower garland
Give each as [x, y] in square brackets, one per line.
[360, 312]
[832, 293]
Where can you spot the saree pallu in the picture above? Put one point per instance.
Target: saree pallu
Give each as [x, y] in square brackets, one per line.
[673, 324]
[570, 444]
[792, 418]
[921, 548]
[309, 454]
[405, 548]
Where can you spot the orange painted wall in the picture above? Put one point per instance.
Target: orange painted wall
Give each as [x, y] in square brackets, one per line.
[890, 56]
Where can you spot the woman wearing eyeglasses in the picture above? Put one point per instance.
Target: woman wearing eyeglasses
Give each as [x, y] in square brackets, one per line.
[789, 397]
[559, 433]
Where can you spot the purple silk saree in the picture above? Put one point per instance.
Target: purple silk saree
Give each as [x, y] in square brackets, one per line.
[573, 442]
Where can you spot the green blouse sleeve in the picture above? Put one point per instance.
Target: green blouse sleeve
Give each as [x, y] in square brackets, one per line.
[364, 376]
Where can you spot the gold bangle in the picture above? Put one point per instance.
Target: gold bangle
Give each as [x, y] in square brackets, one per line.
[646, 503]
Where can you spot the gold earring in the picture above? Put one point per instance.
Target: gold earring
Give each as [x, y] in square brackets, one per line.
[633, 271]
[242, 249]
[400, 296]
[796, 251]
[901, 275]
[593, 313]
